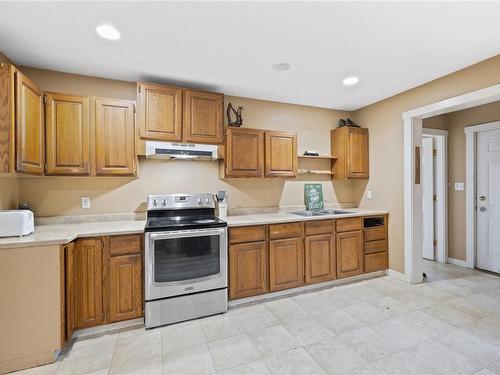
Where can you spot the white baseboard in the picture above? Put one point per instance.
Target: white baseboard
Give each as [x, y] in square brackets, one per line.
[398, 275]
[457, 262]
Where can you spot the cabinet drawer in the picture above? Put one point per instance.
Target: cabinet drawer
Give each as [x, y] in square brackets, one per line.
[288, 230]
[319, 227]
[247, 234]
[375, 234]
[375, 262]
[121, 245]
[348, 225]
[375, 246]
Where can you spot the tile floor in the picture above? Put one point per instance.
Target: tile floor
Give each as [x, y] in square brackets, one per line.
[448, 325]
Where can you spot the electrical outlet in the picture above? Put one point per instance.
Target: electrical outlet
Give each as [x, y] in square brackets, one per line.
[85, 202]
[459, 186]
[369, 194]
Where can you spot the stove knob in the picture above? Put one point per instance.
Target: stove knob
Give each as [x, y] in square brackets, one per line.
[164, 202]
[155, 203]
[207, 200]
[199, 200]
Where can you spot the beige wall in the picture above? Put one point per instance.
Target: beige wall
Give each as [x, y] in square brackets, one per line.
[386, 141]
[9, 192]
[61, 196]
[455, 123]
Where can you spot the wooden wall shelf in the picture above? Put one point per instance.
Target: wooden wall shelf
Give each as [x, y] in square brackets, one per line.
[307, 171]
[316, 157]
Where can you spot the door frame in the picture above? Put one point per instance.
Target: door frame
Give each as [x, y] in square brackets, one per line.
[412, 122]
[441, 145]
[470, 187]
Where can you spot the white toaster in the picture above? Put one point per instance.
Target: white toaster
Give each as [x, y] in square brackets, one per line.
[16, 223]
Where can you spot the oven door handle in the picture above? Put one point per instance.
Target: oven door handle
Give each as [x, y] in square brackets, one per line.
[193, 233]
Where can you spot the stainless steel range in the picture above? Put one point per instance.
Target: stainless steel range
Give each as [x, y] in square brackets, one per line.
[185, 259]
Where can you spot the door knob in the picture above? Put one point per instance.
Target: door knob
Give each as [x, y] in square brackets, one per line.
[482, 209]
[482, 198]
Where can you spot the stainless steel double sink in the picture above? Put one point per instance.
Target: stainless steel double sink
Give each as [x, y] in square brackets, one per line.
[324, 212]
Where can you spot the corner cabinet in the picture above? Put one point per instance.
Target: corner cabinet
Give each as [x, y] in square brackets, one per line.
[349, 145]
[260, 153]
[114, 137]
[30, 134]
[67, 132]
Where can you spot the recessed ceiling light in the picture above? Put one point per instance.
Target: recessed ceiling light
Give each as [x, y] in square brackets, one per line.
[281, 67]
[108, 31]
[350, 81]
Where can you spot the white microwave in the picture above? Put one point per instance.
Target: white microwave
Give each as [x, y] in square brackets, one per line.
[16, 223]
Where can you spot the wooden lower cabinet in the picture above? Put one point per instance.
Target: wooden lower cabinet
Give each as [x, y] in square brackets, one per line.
[320, 262]
[350, 255]
[88, 282]
[103, 281]
[286, 263]
[247, 269]
[125, 287]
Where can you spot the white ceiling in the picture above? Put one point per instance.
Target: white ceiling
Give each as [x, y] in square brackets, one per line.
[230, 47]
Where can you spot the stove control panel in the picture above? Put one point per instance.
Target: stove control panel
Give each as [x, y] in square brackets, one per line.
[180, 201]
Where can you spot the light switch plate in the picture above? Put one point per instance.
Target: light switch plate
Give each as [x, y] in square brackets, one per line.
[85, 202]
[459, 186]
[369, 194]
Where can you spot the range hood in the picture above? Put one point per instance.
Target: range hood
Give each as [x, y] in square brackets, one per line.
[180, 151]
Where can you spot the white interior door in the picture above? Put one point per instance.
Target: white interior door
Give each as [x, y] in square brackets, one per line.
[488, 200]
[428, 198]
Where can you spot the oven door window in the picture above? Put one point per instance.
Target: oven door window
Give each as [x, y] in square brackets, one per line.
[186, 258]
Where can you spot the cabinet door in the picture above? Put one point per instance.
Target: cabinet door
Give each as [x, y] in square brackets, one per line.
[320, 258]
[67, 134]
[160, 112]
[281, 154]
[114, 137]
[89, 286]
[125, 287]
[247, 269]
[357, 153]
[7, 144]
[286, 264]
[30, 139]
[244, 153]
[203, 117]
[349, 254]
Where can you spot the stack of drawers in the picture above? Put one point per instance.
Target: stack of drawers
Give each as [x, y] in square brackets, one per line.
[375, 243]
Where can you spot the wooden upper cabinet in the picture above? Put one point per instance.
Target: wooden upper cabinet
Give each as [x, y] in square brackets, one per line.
[247, 269]
[281, 154]
[67, 134]
[160, 112]
[203, 117]
[30, 135]
[286, 263]
[125, 287]
[320, 262]
[89, 283]
[7, 131]
[350, 255]
[114, 137]
[350, 146]
[244, 152]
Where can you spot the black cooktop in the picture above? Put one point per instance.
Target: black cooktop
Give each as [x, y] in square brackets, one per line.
[169, 220]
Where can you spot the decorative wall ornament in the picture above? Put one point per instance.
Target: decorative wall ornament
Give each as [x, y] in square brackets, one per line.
[239, 119]
[347, 122]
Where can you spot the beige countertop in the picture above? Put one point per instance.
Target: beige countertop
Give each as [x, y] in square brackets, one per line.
[286, 217]
[60, 234]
